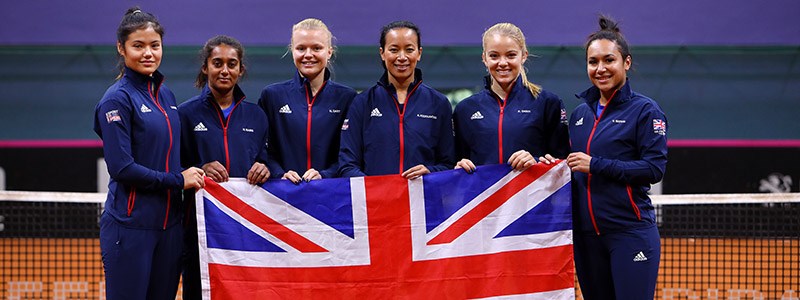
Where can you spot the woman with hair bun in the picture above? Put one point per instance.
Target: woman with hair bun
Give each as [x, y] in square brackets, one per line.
[222, 133]
[512, 120]
[306, 112]
[619, 144]
[141, 239]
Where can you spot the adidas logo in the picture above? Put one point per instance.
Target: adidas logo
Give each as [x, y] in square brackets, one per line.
[145, 109]
[579, 123]
[285, 109]
[376, 113]
[200, 127]
[476, 116]
[640, 257]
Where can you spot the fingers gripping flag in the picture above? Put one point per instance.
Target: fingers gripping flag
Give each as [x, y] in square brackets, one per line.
[448, 235]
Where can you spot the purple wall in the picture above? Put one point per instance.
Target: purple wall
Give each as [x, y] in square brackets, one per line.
[443, 22]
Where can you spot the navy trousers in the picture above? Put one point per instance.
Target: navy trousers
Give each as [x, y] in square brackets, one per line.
[621, 265]
[140, 263]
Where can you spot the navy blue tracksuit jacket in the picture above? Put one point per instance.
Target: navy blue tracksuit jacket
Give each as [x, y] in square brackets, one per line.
[139, 124]
[381, 136]
[490, 129]
[305, 129]
[236, 142]
[628, 146]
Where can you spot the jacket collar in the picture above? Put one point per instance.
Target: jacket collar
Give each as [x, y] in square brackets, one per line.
[141, 80]
[238, 95]
[301, 81]
[384, 81]
[592, 95]
[487, 84]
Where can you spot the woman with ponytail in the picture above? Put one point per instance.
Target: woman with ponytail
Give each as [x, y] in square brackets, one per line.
[512, 120]
[141, 239]
[619, 144]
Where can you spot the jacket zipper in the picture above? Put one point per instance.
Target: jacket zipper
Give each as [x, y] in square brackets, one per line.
[589, 175]
[502, 104]
[310, 101]
[224, 122]
[169, 127]
[400, 115]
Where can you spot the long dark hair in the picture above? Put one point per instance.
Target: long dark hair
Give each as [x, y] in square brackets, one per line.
[212, 43]
[133, 20]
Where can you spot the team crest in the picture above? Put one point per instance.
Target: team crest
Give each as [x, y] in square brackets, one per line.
[659, 126]
[113, 116]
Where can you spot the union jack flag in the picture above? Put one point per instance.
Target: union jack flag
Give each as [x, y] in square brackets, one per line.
[659, 126]
[449, 235]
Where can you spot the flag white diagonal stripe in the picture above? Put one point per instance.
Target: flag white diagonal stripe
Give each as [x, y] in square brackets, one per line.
[418, 186]
[519, 204]
[339, 245]
[479, 239]
[249, 225]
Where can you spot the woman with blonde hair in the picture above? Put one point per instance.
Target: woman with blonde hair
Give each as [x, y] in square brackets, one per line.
[512, 120]
[306, 112]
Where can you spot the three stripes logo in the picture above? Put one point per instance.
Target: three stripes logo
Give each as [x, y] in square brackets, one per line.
[476, 116]
[200, 127]
[640, 257]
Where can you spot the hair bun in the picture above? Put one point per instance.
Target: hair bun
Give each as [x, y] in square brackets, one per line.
[133, 10]
[607, 23]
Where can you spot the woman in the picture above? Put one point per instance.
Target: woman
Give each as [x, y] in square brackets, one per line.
[512, 120]
[619, 146]
[400, 125]
[140, 237]
[223, 134]
[307, 111]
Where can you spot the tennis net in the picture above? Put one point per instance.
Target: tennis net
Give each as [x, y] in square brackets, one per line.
[722, 246]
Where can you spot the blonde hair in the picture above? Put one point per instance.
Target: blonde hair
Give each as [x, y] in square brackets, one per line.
[512, 31]
[314, 24]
